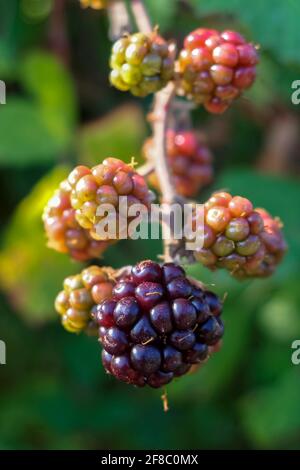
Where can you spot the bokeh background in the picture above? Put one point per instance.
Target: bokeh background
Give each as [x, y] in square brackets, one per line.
[61, 110]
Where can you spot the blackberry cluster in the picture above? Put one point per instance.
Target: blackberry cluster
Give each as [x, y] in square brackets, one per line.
[247, 242]
[81, 293]
[157, 325]
[63, 232]
[141, 63]
[190, 162]
[215, 68]
[95, 4]
[103, 184]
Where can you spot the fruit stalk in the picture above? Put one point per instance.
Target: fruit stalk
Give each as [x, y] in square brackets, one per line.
[146, 169]
[118, 19]
[162, 103]
[141, 16]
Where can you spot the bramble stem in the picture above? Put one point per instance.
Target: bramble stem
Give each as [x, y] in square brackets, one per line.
[57, 32]
[119, 20]
[141, 16]
[159, 118]
[146, 169]
[159, 121]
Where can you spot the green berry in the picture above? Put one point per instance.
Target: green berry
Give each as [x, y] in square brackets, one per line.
[116, 80]
[131, 74]
[135, 53]
[141, 63]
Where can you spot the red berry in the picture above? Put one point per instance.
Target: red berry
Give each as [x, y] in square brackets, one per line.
[244, 77]
[233, 37]
[226, 54]
[189, 159]
[214, 68]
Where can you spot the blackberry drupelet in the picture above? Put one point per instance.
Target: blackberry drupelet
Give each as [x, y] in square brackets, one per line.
[76, 302]
[215, 68]
[141, 63]
[189, 159]
[157, 324]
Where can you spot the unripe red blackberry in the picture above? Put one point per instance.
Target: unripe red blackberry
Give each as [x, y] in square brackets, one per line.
[95, 4]
[189, 159]
[104, 184]
[63, 232]
[141, 63]
[215, 68]
[274, 246]
[75, 303]
[247, 242]
[157, 325]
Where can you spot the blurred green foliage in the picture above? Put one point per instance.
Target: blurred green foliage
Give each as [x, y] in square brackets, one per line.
[54, 393]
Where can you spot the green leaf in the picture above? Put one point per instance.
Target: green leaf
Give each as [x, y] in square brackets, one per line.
[120, 134]
[24, 136]
[279, 318]
[48, 81]
[271, 415]
[30, 273]
[217, 374]
[267, 20]
[161, 13]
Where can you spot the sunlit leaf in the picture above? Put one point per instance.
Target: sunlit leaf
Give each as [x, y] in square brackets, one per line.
[30, 273]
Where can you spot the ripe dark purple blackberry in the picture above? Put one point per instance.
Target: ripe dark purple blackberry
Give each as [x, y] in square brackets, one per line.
[157, 324]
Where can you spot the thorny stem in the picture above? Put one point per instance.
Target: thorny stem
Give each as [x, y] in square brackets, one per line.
[57, 36]
[159, 118]
[159, 121]
[141, 16]
[146, 169]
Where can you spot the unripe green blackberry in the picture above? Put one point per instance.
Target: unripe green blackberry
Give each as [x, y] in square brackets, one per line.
[141, 63]
[247, 242]
[80, 294]
[104, 184]
[215, 68]
[63, 232]
[189, 159]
